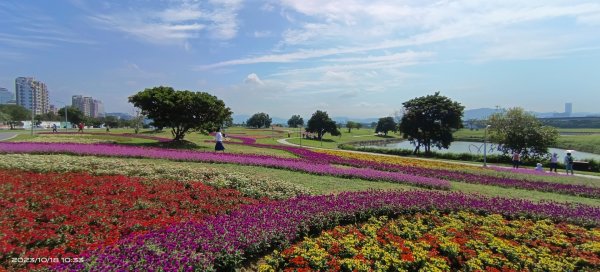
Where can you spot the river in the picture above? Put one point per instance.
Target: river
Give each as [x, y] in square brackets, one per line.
[477, 148]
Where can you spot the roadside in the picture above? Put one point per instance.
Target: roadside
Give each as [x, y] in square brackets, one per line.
[285, 142]
[7, 136]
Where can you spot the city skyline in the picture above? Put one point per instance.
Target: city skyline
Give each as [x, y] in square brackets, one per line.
[350, 58]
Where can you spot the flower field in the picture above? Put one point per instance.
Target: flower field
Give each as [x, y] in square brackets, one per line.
[224, 242]
[61, 215]
[244, 159]
[444, 242]
[117, 207]
[434, 169]
[250, 186]
[77, 135]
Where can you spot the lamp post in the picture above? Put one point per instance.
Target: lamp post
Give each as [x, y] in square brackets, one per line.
[485, 145]
[300, 135]
[32, 110]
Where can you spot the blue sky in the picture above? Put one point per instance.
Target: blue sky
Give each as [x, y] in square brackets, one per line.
[349, 57]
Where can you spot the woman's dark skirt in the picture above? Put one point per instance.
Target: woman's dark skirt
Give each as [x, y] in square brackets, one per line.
[219, 146]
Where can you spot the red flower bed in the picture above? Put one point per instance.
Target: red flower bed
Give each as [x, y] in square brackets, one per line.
[58, 215]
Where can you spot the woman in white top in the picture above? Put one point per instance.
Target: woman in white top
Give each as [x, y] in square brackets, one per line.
[219, 139]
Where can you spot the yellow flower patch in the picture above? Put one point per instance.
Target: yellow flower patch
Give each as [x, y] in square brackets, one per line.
[444, 242]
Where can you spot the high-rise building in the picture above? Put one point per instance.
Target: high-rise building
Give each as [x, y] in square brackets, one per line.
[568, 109]
[6, 96]
[32, 94]
[88, 106]
[97, 109]
[53, 109]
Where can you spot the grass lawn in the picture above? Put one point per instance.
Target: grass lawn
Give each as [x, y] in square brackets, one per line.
[586, 143]
[363, 134]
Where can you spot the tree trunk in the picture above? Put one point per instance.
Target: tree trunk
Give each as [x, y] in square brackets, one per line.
[417, 149]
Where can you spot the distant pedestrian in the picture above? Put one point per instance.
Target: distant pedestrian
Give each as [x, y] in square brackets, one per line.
[54, 128]
[539, 167]
[80, 126]
[516, 159]
[554, 162]
[219, 139]
[107, 128]
[569, 163]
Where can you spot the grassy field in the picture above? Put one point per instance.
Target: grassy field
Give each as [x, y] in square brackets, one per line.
[586, 143]
[363, 134]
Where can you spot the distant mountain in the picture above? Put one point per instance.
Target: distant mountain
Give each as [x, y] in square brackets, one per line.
[484, 113]
[120, 115]
[344, 120]
[479, 114]
[242, 118]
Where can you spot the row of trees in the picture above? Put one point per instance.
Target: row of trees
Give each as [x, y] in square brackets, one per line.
[13, 115]
[430, 121]
[427, 121]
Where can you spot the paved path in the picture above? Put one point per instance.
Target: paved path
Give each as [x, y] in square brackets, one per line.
[7, 135]
[284, 141]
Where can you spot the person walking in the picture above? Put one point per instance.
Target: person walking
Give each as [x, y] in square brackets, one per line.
[554, 162]
[569, 163]
[516, 159]
[80, 126]
[219, 139]
[54, 128]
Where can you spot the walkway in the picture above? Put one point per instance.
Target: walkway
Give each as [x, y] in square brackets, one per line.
[284, 141]
[7, 136]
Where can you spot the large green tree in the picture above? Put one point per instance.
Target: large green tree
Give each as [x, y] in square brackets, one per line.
[15, 114]
[295, 121]
[259, 120]
[320, 123]
[386, 124]
[518, 131]
[182, 111]
[430, 121]
[74, 115]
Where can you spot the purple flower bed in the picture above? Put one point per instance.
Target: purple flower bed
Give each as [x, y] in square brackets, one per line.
[159, 139]
[223, 242]
[527, 171]
[561, 188]
[243, 159]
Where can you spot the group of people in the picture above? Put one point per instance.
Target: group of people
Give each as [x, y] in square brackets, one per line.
[568, 161]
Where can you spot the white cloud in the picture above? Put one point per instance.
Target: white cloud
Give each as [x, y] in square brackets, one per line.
[342, 27]
[176, 24]
[253, 79]
[262, 34]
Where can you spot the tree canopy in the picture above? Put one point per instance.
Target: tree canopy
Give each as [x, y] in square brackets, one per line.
[518, 131]
[386, 124]
[295, 121]
[14, 114]
[430, 121]
[74, 115]
[259, 120]
[351, 124]
[320, 123]
[182, 111]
